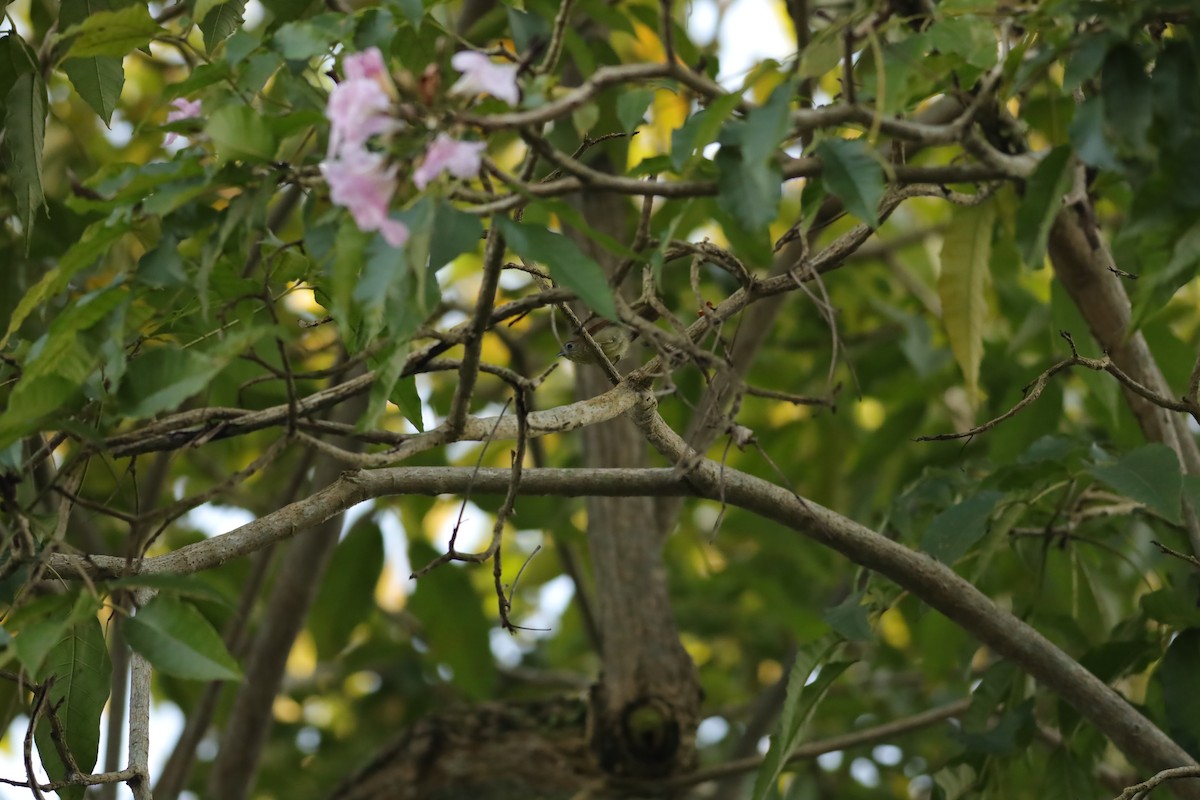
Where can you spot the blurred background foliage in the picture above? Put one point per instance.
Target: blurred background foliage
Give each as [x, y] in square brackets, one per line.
[1052, 514]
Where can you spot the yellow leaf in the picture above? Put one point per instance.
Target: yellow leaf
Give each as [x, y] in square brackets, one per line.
[963, 285]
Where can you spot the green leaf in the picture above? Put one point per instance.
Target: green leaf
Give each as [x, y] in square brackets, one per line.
[1175, 100]
[82, 679]
[32, 400]
[1172, 607]
[412, 299]
[59, 363]
[162, 267]
[1127, 94]
[95, 241]
[970, 37]
[1085, 62]
[849, 619]
[203, 7]
[302, 40]
[1067, 775]
[347, 594]
[700, 130]
[178, 640]
[851, 172]
[1155, 289]
[766, 126]
[25, 133]
[98, 80]
[963, 284]
[570, 218]
[1005, 737]
[348, 256]
[567, 264]
[411, 10]
[1177, 675]
[453, 623]
[823, 52]
[239, 132]
[383, 268]
[196, 587]
[221, 22]
[404, 395]
[805, 691]
[163, 377]
[112, 33]
[748, 191]
[454, 233]
[36, 627]
[952, 532]
[59, 352]
[1041, 204]
[237, 47]
[16, 59]
[527, 28]
[631, 108]
[1087, 135]
[1149, 475]
[387, 367]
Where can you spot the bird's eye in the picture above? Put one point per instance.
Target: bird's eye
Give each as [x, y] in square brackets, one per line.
[569, 346]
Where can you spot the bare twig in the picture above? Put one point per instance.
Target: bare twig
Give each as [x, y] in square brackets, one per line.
[1034, 390]
[1190, 559]
[810, 750]
[1145, 787]
[40, 696]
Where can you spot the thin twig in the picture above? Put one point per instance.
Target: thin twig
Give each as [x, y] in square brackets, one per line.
[1142, 789]
[795, 399]
[1034, 390]
[811, 750]
[39, 703]
[1193, 560]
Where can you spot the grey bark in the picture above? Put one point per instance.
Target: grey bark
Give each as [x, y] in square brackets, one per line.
[296, 584]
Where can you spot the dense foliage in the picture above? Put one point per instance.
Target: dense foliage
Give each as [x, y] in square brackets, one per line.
[921, 295]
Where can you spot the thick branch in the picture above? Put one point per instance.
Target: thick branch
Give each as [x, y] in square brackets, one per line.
[940, 587]
[933, 582]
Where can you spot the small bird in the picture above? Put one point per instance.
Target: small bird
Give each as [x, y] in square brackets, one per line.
[614, 341]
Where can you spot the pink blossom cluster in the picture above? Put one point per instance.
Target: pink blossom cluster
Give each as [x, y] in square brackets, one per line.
[181, 109]
[361, 180]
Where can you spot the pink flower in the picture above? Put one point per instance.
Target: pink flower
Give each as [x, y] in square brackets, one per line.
[481, 75]
[360, 180]
[357, 110]
[363, 183]
[367, 65]
[444, 154]
[181, 109]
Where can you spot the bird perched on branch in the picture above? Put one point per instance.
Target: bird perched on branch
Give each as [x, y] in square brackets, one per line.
[613, 338]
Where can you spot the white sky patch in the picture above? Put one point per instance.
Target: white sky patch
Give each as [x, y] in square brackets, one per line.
[213, 520]
[253, 15]
[865, 772]
[505, 648]
[474, 532]
[120, 130]
[751, 31]
[711, 731]
[395, 553]
[888, 754]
